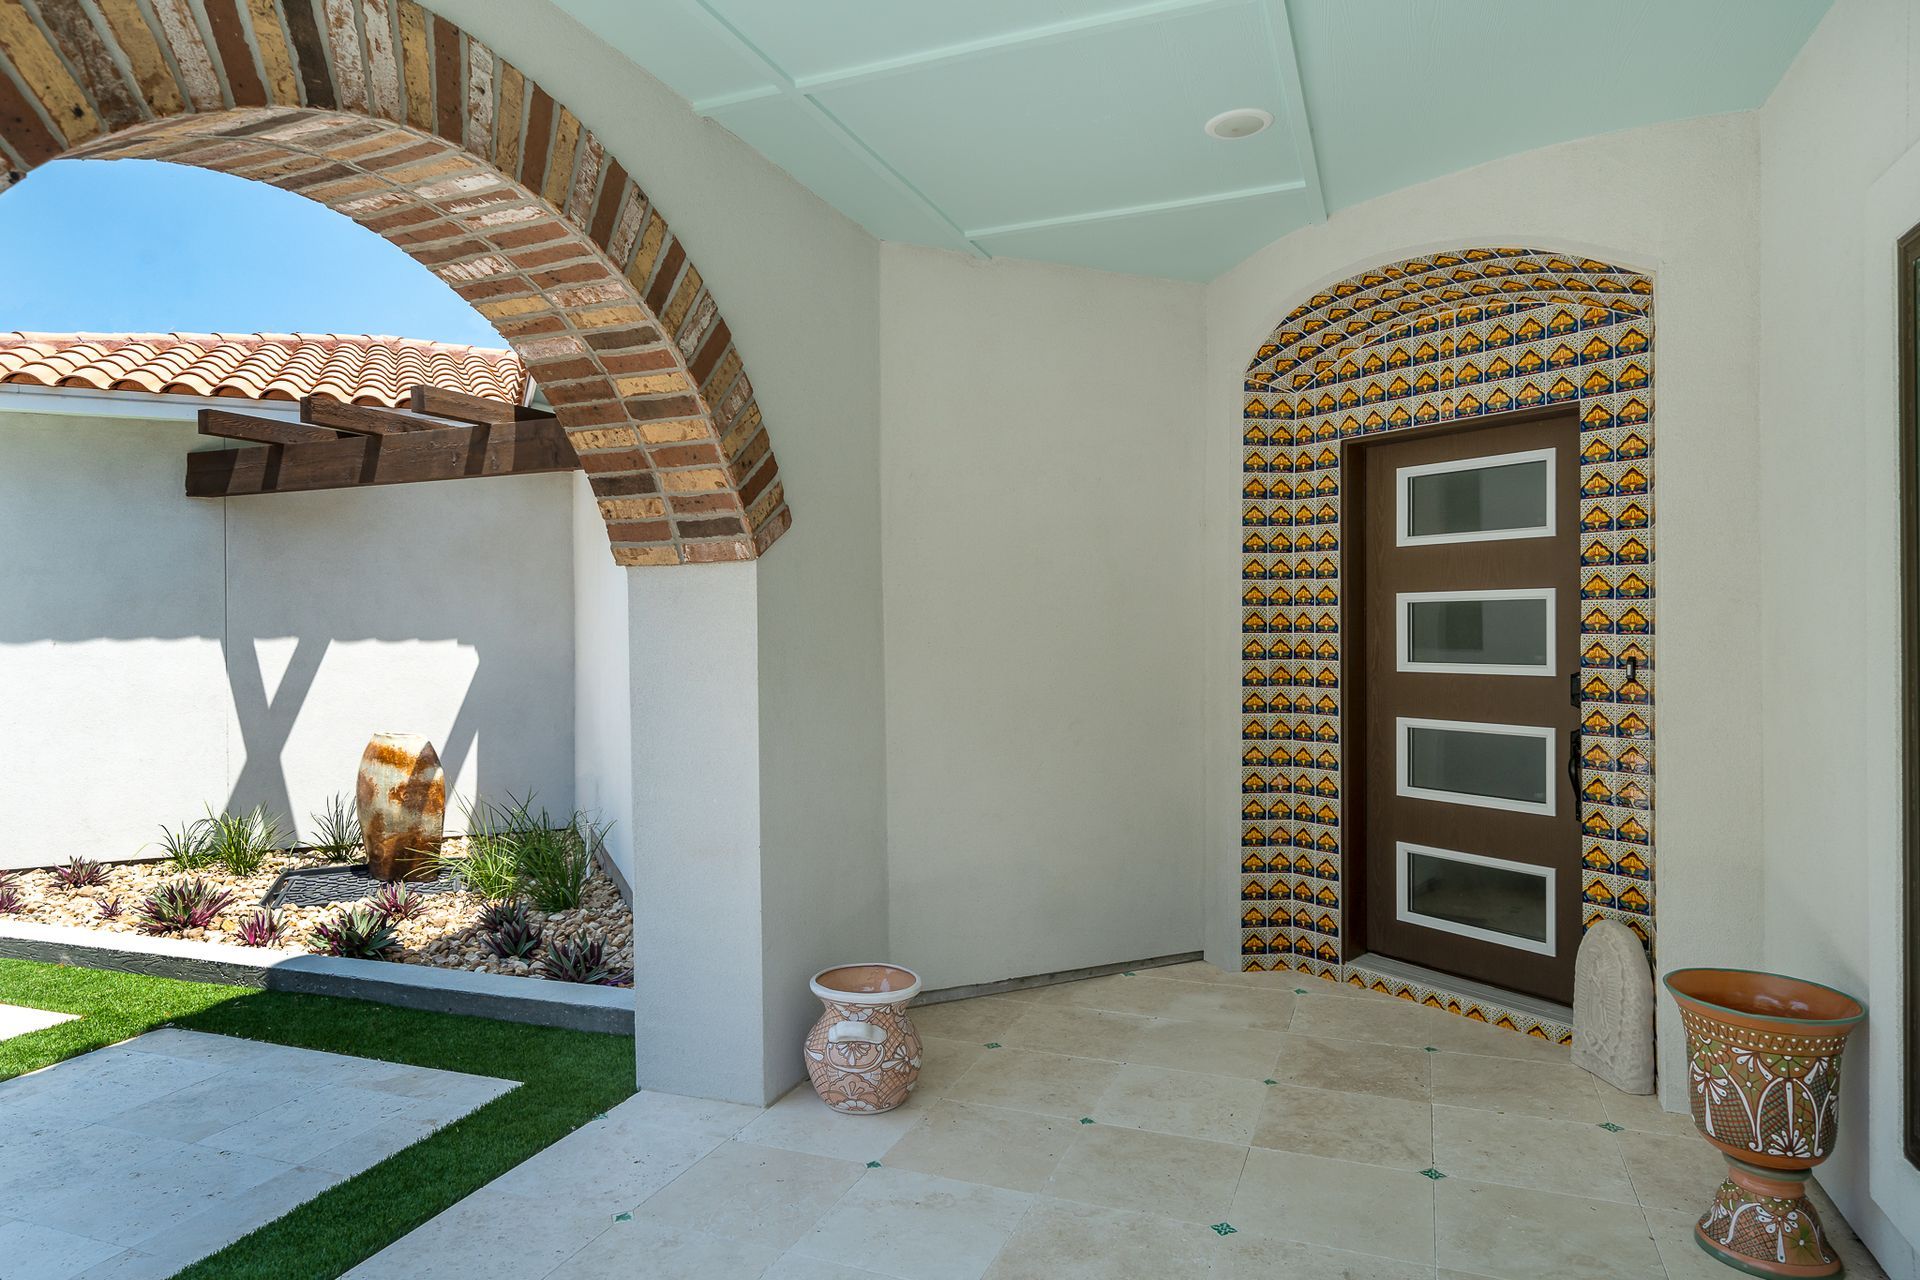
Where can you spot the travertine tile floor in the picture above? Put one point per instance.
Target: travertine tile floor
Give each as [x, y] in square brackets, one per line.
[1178, 1122]
[130, 1162]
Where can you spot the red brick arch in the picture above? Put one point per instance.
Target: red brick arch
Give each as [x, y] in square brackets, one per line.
[395, 117]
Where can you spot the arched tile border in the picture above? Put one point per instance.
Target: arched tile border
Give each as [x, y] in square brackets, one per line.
[396, 117]
[1441, 338]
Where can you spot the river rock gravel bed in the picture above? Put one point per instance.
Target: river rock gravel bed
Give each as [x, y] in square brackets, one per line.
[446, 934]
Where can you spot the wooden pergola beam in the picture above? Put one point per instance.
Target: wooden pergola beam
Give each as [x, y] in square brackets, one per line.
[244, 426]
[481, 412]
[445, 453]
[360, 419]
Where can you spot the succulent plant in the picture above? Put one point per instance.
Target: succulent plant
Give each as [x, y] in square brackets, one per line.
[80, 873]
[110, 908]
[581, 959]
[400, 901]
[510, 933]
[495, 914]
[179, 905]
[261, 927]
[12, 902]
[358, 933]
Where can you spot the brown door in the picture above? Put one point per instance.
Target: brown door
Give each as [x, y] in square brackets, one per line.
[1469, 627]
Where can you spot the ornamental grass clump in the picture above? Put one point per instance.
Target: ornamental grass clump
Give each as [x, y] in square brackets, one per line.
[554, 861]
[512, 852]
[399, 902]
[185, 847]
[336, 832]
[581, 959]
[357, 933]
[509, 930]
[241, 842]
[261, 927]
[80, 873]
[179, 905]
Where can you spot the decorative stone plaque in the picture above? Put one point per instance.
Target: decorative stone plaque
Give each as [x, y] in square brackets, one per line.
[1613, 1008]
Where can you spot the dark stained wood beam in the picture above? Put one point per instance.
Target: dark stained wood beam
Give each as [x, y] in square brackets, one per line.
[359, 419]
[447, 453]
[478, 410]
[244, 426]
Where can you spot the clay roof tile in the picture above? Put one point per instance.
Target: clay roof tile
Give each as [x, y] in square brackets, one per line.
[362, 369]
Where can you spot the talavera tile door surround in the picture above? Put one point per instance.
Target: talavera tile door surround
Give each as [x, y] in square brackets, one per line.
[1447, 337]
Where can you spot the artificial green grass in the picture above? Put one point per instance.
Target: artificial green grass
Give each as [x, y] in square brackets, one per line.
[566, 1079]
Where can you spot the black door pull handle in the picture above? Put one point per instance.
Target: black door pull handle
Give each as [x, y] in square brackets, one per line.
[1573, 688]
[1573, 761]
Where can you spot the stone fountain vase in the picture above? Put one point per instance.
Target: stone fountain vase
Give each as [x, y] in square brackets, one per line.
[863, 1055]
[1763, 1075]
[401, 796]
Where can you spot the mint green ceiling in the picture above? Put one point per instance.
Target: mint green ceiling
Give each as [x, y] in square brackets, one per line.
[1071, 130]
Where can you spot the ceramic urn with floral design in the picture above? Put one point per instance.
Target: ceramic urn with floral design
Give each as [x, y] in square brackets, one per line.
[863, 1055]
[1763, 1076]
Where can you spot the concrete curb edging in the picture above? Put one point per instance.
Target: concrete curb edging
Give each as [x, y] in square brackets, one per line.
[536, 1001]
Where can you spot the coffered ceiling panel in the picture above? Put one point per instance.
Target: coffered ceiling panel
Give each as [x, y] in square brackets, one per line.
[1072, 130]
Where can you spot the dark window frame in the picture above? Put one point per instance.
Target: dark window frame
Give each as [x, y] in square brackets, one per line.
[1909, 331]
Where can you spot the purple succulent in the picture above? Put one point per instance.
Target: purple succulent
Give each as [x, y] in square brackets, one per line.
[179, 905]
[582, 959]
[110, 908]
[400, 901]
[12, 902]
[261, 927]
[359, 933]
[80, 873]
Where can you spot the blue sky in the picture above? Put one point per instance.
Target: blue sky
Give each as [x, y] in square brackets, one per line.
[140, 246]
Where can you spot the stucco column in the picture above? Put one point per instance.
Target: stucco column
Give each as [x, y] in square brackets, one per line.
[693, 645]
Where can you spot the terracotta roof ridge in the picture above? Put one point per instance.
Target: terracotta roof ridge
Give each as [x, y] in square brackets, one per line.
[299, 338]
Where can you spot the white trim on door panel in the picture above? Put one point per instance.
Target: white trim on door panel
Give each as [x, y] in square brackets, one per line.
[1405, 598]
[1545, 734]
[1403, 475]
[1405, 914]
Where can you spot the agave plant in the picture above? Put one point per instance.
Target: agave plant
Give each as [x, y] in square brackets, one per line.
[110, 908]
[179, 905]
[185, 847]
[358, 933]
[336, 832]
[510, 933]
[12, 901]
[400, 901]
[80, 873]
[240, 842]
[581, 959]
[261, 927]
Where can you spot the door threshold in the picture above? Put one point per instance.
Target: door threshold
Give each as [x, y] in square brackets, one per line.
[1465, 988]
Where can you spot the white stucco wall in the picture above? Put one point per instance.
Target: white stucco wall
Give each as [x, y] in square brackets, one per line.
[1041, 491]
[602, 680]
[798, 284]
[160, 654]
[1677, 200]
[1840, 183]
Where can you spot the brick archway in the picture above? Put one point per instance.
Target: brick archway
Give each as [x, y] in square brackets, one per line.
[398, 119]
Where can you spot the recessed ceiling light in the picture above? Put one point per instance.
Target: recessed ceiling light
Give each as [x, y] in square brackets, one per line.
[1241, 122]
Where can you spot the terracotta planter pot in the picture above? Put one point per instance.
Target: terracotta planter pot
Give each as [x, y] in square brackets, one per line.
[402, 799]
[863, 1056]
[1763, 1074]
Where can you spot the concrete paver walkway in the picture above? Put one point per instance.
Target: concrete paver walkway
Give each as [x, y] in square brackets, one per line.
[132, 1161]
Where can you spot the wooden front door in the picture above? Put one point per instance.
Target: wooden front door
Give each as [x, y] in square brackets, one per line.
[1468, 617]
